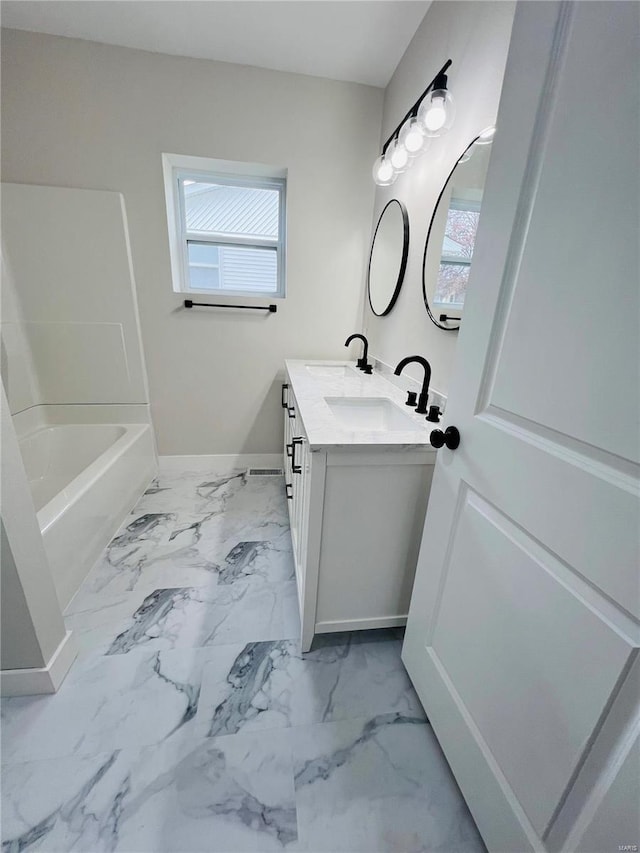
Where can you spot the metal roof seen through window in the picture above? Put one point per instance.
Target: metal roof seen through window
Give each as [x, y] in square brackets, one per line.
[231, 210]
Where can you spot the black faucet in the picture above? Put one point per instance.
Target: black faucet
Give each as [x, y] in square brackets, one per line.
[361, 363]
[418, 359]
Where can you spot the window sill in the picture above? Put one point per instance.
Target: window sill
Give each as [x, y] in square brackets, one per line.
[222, 296]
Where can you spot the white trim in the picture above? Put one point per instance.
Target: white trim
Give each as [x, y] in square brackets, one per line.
[309, 571]
[46, 679]
[279, 185]
[360, 624]
[176, 167]
[219, 463]
[134, 300]
[230, 167]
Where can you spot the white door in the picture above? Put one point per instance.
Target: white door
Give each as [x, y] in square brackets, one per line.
[522, 637]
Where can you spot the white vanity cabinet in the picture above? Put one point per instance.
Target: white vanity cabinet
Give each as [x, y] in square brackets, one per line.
[356, 516]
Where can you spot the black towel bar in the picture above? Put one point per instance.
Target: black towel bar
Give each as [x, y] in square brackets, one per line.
[189, 303]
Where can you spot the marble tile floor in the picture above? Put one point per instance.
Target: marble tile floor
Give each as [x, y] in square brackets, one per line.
[192, 722]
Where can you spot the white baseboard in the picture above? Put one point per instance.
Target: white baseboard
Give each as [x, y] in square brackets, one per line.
[219, 463]
[46, 679]
[360, 624]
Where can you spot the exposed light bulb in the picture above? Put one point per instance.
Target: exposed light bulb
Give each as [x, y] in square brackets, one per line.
[383, 172]
[399, 157]
[412, 137]
[436, 113]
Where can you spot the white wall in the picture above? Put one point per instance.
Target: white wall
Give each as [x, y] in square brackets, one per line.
[70, 298]
[34, 628]
[476, 37]
[19, 647]
[78, 114]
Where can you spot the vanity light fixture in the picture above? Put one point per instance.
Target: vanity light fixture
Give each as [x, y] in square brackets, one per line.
[432, 115]
[413, 137]
[399, 157]
[383, 172]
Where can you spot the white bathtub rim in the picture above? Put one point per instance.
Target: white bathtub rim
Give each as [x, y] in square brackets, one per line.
[45, 679]
[42, 415]
[82, 482]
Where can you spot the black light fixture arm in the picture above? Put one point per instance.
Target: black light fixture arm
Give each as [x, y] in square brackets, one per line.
[438, 82]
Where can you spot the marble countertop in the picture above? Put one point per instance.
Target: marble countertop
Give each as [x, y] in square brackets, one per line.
[324, 430]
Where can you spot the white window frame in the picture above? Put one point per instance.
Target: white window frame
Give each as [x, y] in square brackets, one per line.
[179, 167]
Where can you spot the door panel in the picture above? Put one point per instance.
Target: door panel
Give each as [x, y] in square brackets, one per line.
[611, 821]
[524, 617]
[552, 661]
[582, 509]
[543, 372]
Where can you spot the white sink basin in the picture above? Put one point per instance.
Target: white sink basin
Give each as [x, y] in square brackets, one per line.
[330, 371]
[370, 413]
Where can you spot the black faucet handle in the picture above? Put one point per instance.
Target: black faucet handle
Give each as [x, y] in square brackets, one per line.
[368, 369]
[434, 414]
[412, 399]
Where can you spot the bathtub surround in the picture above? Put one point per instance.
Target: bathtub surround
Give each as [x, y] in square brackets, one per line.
[476, 36]
[33, 418]
[82, 114]
[172, 735]
[76, 297]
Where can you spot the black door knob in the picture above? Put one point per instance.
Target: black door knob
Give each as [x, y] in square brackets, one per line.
[450, 437]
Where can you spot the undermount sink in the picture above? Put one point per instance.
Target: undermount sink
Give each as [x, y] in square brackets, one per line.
[330, 371]
[370, 413]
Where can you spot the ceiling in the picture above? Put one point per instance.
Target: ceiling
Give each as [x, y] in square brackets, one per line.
[357, 40]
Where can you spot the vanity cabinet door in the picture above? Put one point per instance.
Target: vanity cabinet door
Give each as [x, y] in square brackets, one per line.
[303, 458]
[288, 432]
[297, 470]
[299, 478]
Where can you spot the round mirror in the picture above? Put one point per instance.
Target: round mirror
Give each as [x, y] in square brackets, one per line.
[448, 251]
[388, 258]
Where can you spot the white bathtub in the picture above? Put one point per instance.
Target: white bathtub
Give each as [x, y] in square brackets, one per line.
[84, 479]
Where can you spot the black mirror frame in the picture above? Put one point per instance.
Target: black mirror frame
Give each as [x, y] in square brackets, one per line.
[426, 247]
[403, 262]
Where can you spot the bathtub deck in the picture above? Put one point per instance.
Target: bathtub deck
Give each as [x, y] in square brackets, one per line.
[192, 722]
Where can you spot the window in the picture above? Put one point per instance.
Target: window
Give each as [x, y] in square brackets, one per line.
[226, 226]
[457, 253]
